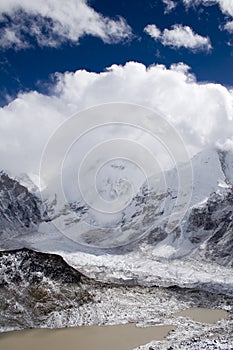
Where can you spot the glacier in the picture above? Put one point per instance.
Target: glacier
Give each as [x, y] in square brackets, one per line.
[197, 254]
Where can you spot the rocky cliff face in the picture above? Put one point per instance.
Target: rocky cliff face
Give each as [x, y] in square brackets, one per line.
[215, 221]
[19, 209]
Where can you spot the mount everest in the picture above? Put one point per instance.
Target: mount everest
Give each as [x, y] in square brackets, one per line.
[137, 248]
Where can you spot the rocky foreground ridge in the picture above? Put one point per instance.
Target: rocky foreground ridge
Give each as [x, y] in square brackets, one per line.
[41, 290]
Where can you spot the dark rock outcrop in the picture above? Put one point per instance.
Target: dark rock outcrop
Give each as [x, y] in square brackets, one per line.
[36, 285]
[19, 209]
[213, 224]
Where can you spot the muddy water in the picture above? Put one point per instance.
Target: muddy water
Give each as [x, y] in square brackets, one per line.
[203, 315]
[123, 337]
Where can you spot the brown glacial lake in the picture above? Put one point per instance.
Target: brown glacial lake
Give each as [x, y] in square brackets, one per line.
[121, 337]
[203, 315]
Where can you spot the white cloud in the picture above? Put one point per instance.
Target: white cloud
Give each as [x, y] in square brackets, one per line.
[10, 38]
[52, 22]
[183, 36]
[179, 36]
[229, 26]
[201, 113]
[153, 31]
[226, 6]
[170, 5]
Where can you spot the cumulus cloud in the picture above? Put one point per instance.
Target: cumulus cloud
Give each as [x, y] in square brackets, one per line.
[183, 36]
[170, 5]
[51, 22]
[201, 113]
[179, 36]
[153, 31]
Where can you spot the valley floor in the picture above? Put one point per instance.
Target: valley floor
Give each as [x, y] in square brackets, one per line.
[54, 295]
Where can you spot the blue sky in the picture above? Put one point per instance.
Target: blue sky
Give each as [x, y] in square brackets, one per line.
[29, 68]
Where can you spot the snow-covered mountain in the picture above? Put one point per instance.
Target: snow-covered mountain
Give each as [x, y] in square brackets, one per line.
[149, 209]
[136, 245]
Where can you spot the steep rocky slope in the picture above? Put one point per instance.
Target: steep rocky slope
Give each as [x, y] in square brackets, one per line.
[214, 221]
[20, 210]
[33, 285]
